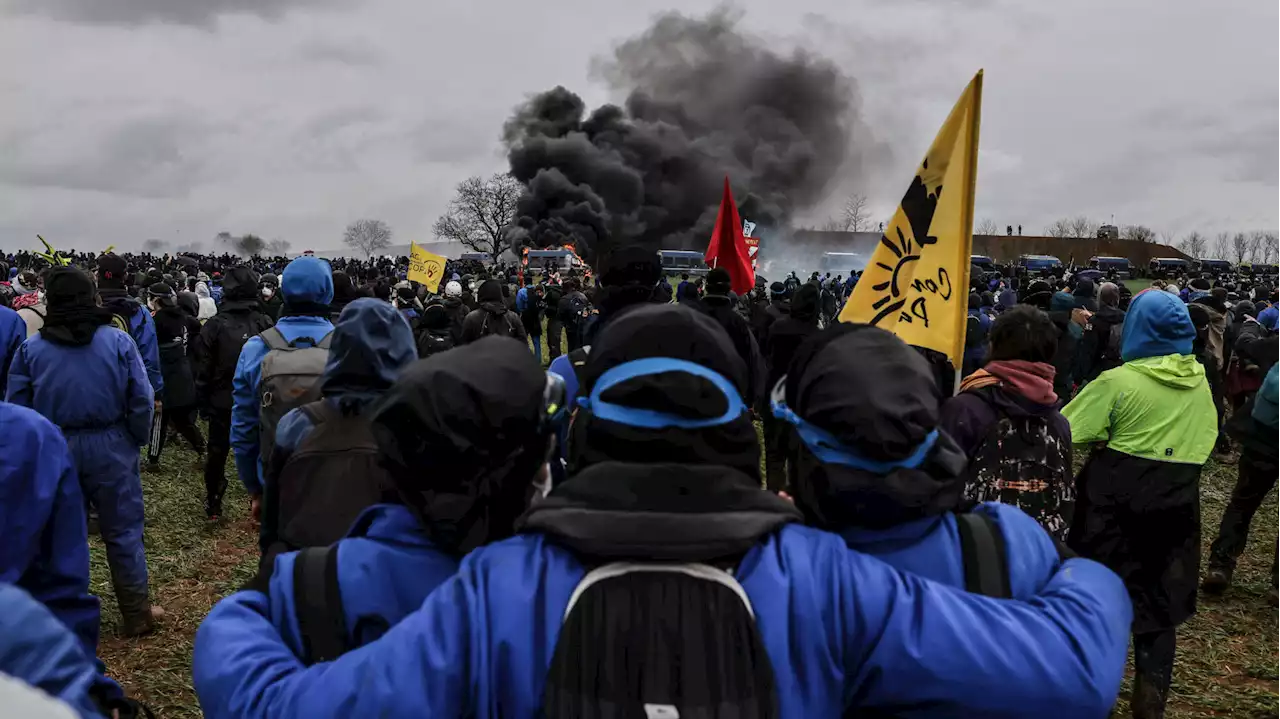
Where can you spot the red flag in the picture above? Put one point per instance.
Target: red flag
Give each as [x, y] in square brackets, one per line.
[728, 248]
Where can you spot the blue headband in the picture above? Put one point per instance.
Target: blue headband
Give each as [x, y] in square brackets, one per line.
[830, 450]
[651, 419]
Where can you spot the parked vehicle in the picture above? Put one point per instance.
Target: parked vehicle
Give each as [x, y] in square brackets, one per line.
[1118, 267]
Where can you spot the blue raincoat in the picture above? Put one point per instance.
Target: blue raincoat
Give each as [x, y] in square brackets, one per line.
[13, 332]
[930, 548]
[842, 629]
[45, 549]
[39, 650]
[142, 328]
[305, 282]
[98, 394]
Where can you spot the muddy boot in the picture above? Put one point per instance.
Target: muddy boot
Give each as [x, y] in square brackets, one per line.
[139, 616]
[1216, 580]
[1147, 701]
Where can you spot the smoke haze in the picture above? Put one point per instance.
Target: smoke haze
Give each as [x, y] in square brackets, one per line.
[703, 100]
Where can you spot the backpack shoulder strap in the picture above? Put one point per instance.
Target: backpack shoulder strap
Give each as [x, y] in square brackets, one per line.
[324, 341]
[982, 547]
[317, 600]
[274, 339]
[697, 571]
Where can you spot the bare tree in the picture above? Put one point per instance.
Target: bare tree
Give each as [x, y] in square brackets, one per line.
[1194, 244]
[249, 245]
[1082, 226]
[153, 245]
[1060, 228]
[480, 213]
[987, 226]
[1239, 247]
[1268, 246]
[1138, 233]
[278, 246]
[368, 236]
[1222, 245]
[854, 213]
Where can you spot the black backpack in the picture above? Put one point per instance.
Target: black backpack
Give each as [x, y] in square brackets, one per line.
[660, 641]
[504, 325]
[1021, 462]
[326, 483]
[431, 342]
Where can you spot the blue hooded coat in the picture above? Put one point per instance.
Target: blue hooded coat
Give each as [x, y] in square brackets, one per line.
[307, 284]
[45, 549]
[142, 328]
[98, 394]
[13, 332]
[39, 650]
[842, 629]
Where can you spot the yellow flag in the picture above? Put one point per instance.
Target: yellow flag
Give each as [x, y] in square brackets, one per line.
[425, 268]
[917, 282]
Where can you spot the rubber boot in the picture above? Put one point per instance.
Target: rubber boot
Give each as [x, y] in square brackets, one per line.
[1216, 580]
[138, 613]
[1147, 701]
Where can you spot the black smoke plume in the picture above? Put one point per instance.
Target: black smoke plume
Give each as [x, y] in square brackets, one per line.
[702, 100]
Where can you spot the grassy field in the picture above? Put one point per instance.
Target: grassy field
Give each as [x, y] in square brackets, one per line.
[1226, 654]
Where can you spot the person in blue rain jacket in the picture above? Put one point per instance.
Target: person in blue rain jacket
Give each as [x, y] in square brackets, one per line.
[112, 272]
[87, 378]
[13, 332]
[307, 284]
[841, 629]
[46, 547]
[871, 463]
[38, 649]
[395, 554]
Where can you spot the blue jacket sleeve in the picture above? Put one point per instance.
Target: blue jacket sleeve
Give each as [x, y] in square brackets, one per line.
[244, 414]
[924, 649]
[37, 649]
[15, 334]
[63, 561]
[422, 667]
[18, 389]
[145, 337]
[139, 394]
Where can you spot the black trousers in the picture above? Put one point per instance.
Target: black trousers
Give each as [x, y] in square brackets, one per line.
[215, 462]
[775, 452]
[1153, 654]
[554, 333]
[182, 420]
[1257, 477]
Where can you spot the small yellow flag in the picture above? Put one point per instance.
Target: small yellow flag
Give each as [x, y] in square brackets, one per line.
[917, 283]
[425, 268]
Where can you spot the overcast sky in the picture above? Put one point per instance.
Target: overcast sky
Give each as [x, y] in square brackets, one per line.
[176, 119]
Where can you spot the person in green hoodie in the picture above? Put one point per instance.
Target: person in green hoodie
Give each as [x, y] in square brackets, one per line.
[1138, 495]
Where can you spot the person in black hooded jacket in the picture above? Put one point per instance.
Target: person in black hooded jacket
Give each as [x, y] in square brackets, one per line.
[344, 292]
[782, 338]
[175, 332]
[718, 305]
[216, 351]
[492, 316]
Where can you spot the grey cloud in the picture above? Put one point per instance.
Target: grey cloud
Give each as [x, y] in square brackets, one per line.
[340, 53]
[179, 12]
[148, 158]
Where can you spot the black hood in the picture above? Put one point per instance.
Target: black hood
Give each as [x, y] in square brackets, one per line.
[804, 304]
[240, 284]
[671, 493]
[462, 437]
[877, 397]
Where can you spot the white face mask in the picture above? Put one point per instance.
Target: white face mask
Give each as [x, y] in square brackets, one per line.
[267, 292]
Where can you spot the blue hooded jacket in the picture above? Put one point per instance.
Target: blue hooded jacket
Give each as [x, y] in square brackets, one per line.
[306, 283]
[1156, 325]
[46, 548]
[1269, 317]
[841, 629]
[142, 328]
[13, 332]
[39, 650]
[1265, 408]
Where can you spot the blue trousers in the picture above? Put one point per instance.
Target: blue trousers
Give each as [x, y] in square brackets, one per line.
[107, 464]
[537, 346]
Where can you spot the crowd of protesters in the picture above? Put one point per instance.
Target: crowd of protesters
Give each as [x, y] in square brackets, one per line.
[449, 527]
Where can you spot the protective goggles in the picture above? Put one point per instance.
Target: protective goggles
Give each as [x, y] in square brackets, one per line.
[830, 450]
[555, 401]
[653, 419]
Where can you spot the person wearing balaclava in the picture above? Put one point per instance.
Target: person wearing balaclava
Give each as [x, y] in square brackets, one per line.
[667, 472]
[269, 295]
[872, 463]
[718, 304]
[456, 485]
[307, 284]
[1138, 495]
[215, 354]
[114, 296]
[87, 377]
[176, 332]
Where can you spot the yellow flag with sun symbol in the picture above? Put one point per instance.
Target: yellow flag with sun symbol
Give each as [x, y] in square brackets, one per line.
[917, 282]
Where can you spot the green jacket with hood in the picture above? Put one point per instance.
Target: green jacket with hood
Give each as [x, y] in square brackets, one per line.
[1158, 404]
